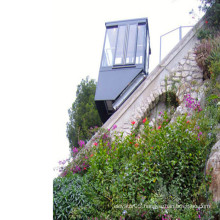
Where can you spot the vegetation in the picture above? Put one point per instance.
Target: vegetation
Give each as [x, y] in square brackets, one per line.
[160, 168]
[208, 51]
[212, 19]
[158, 173]
[212, 10]
[83, 115]
[155, 174]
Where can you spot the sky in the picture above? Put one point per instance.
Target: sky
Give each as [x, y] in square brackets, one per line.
[25, 113]
[78, 36]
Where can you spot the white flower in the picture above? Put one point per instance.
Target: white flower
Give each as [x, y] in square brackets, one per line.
[124, 212]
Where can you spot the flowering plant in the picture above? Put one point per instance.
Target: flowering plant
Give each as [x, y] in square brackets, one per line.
[129, 170]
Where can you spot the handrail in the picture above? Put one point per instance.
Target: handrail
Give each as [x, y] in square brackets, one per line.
[180, 36]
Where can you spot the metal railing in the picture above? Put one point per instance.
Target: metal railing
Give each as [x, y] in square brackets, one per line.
[180, 36]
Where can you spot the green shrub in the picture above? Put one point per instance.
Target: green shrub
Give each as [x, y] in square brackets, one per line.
[208, 51]
[157, 167]
[128, 170]
[68, 193]
[215, 68]
[205, 33]
[202, 52]
[212, 10]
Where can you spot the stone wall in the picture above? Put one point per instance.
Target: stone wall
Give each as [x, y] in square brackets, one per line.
[214, 165]
[185, 78]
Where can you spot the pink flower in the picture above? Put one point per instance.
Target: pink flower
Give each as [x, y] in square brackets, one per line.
[114, 127]
[144, 120]
[199, 134]
[188, 122]
[75, 150]
[159, 127]
[81, 143]
[95, 143]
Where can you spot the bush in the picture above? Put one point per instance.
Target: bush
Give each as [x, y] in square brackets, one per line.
[207, 52]
[68, 193]
[128, 170]
[212, 10]
[205, 33]
[157, 167]
[81, 155]
[83, 114]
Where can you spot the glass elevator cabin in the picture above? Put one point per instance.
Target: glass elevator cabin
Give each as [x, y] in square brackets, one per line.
[124, 64]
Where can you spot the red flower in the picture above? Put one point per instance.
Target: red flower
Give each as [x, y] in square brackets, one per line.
[84, 168]
[133, 122]
[136, 145]
[159, 127]
[188, 122]
[206, 22]
[95, 143]
[144, 120]
[91, 155]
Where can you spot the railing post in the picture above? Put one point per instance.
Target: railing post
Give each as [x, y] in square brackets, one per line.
[180, 32]
[160, 49]
[180, 37]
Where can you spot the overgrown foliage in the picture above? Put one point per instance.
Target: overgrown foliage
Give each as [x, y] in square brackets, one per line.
[208, 52]
[159, 168]
[140, 176]
[156, 173]
[212, 19]
[83, 115]
[212, 10]
[68, 195]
